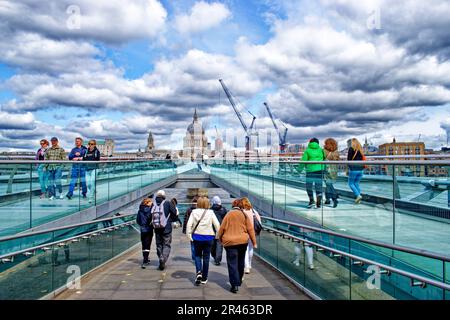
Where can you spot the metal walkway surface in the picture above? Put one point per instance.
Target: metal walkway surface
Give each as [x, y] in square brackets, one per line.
[123, 279]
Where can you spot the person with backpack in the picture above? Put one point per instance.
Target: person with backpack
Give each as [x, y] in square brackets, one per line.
[234, 233]
[201, 229]
[54, 170]
[255, 220]
[185, 221]
[163, 214]
[78, 171]
[355, 172]
[144, 220]
[314, 172]
[331, 154]
[220, 212]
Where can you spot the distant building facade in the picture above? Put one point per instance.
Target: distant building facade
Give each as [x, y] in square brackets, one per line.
[404, 149]
[106, 147]
[150, 143]
[195, 143]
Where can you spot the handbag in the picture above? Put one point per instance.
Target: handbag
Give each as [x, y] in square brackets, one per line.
[257, 225]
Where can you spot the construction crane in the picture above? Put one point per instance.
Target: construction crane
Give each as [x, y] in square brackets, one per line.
[281, 135]
[249, 131]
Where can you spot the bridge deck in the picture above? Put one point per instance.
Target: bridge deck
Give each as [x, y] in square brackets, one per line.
[124, 279]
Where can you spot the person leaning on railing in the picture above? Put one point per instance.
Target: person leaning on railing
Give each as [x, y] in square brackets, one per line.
[54, 153]
[92, 154]
[41, 170]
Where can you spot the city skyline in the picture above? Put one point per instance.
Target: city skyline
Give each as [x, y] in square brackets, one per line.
[328, 69]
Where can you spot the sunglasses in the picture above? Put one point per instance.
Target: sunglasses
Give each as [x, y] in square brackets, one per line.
[92, 144]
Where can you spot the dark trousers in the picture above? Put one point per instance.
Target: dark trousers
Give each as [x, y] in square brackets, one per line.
[236, 263]
[314, 182]
[330, 191]
[202, 252]
[216, 251]
[146, 240]
[163, 245]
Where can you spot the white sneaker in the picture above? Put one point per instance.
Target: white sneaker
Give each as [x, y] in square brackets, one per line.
[61, 196]
[358, 199]
[311, 267]
[51, 198]
[296, 263]
[247, 270]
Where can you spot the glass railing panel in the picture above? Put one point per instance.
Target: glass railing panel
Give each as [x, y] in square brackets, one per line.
[27, 277]
[330, 278]
[292, 259]
[446, 269]
[422, 206]
[16, 196]
[268, 247]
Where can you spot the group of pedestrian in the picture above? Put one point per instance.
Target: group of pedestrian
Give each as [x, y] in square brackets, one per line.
[50, 174]
[318, 172]
[209, 228]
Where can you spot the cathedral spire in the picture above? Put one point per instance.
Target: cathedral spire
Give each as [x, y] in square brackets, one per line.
[195, 115]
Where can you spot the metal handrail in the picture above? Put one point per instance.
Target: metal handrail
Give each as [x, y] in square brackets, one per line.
[410, 275]
[424, 253]
[242, 161]
[34, 233]
[15, 253]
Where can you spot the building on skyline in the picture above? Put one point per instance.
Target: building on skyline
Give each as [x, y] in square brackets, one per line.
[105, 146]
[402, 150]
[195, 142]
[150, 143]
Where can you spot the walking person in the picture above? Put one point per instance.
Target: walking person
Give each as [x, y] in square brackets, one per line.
[186, 219]
[314, 172]
[144, 220]
[92, 154]
[309, 252]
[54, 153]
[78, 172]
[41, 170]
[220, 212]
[163, 214]
[331, 154]
[251, 213]
[234, 233]
[177, 223]
[202, 228]
[355, 172]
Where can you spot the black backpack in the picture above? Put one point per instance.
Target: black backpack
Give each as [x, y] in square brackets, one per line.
[257, 225]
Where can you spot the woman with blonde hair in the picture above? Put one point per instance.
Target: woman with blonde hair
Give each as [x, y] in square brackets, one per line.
[201, 229]
[251, 213]
[331, 154]
[355, 172]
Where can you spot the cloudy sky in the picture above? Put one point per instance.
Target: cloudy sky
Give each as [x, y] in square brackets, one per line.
[114, 68]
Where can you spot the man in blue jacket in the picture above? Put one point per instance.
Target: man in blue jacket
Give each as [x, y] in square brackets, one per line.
[78, 170]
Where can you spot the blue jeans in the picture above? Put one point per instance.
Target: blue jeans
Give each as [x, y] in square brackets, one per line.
[54, 181]
[354, 177]
[78, 172]
[43, 177]
[202, 252]
[192, 251]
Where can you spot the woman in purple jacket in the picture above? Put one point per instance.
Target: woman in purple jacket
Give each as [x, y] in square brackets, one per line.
[42, 173]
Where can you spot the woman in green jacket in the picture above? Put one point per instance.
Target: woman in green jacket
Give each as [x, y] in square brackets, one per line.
[314, 171]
